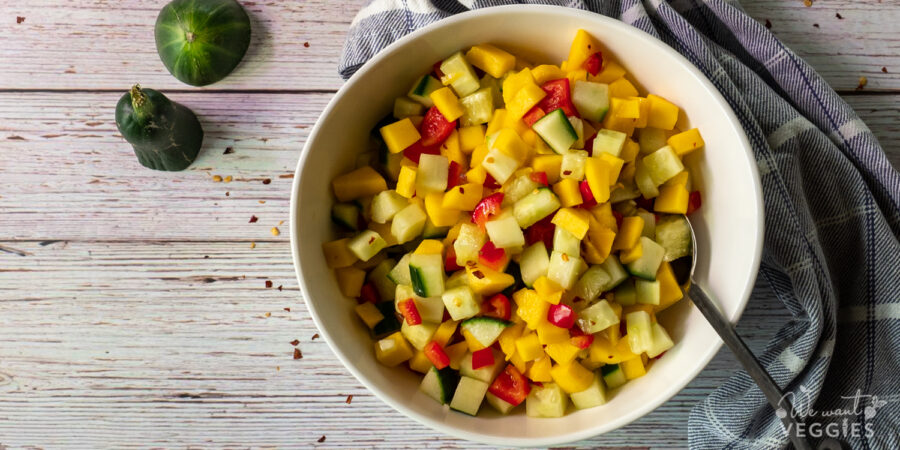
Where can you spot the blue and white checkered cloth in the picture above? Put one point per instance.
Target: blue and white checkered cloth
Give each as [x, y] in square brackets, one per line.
[832, 218]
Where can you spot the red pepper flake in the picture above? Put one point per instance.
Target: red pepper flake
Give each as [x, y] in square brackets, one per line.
[321, 439]
[287, 175]
[227, 194]
[862, 83]
[287, 309]
[295, 342]
[253, 219]
[20, 19]
[816, 25]
[229, 150]
[371, 240]
[565, 257]
[280, 287]
[462, 190]
[267, 180]
[839, 16]
[297, 354]
[768, 24]
[268, 284]
[306, 44]
[315, 336]
[884, 69]
[567, 172]
[349, 399]
[478, 274]
[268, 314]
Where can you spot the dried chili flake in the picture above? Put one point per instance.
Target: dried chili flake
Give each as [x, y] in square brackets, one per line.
[228, 179]
[280, 287]
[863, 81]
[567, 172]
[306, 44]
[275, 231]
[268, 284]
[227, 194]
[816, 25]
[280, 222]
[349, 399]
[267, 180]
[478, 274]
[768, 23]
[297, 354]
[839, 16]
[20, 19]
[315, 336]
[253, 219]
[295, 342]
[253, 245]
[884, 69]
[268, 314]
[217, 178]
[321, 439]
[287, 309]
[262, 202]
[229, 150]
[287, 175]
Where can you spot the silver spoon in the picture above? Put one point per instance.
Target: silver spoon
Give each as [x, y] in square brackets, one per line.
[743, 354]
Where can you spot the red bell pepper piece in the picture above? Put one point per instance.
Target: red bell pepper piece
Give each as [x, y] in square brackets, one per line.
[436, 354]
[694, 202]
[450, 264]
[584, 341]
[540, 178]
[416, 150]
[436, 68]
[594, 63]
[482, 358]
[368, 293]
[497, 306]
[644, 203]
[455, 177]
[619, 218]
[533, 115]
[486, 208]
[541, 231]
[435, 128]
[491, 256]
[558, 96]
[510, 386]
[587, 197]
[409, 311]
[490, 182]
[589, 144]
[561, 315]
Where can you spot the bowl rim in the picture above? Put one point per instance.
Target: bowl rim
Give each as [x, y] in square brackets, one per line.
[626, 418]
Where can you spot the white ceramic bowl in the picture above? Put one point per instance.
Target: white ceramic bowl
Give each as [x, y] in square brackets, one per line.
[729, 224]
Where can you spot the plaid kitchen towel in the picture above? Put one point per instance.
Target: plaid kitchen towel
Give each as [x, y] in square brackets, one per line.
[832, 219]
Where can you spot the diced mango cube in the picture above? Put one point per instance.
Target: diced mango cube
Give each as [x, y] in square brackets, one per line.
[681, 179]
[508, 339]
[350, 279]
[583, 46]
[478, 155]
[444, 332]
[672, 199]
[633, 368]
[663, 113]
[600, 242]
[575, 221]
[531, 308]
[470, 137]
[464, 197]
[630, 150]
[568, 192]
[626, 108]
[686, 142]
[393, 350]
[615, 167]
[450, 149]
[547, 72]
[611, 71]
[644, 108]
[514, 82]
[622, 88]
[605, 218]
[572, 377]
[548, 290]
[509, 142]
[576, 75]
[369, 314]
[477, 174]
[362, 182]
[596, 171]
[613, 122]
[629, 233]
[602, 351]
[548, 164]
[338, 254]
[632, 254]
[540, 370]
[669, 290]
[399, 135]
[485, 281]
[528, 96]
[529, 347]
[520, 364]
[551, 334]
[494, 61]
[563, 352]
[456, 353]
[447, 103]
[430, 247]
[472, 342]
[496, 123]
[406, 181]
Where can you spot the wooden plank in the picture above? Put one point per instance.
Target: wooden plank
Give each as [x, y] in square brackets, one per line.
[169, 344]
[80, 44]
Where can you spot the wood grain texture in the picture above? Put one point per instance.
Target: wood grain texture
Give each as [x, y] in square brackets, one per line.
[91, 44]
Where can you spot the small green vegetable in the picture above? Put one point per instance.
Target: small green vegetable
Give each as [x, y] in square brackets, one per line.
[165, 135]
[202, 41]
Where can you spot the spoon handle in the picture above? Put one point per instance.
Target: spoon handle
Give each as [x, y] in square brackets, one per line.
[751, 365]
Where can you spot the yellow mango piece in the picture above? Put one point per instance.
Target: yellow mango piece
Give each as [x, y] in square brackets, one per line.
[680, 179]
[529, 347]
[430, 247]
[572, 377]
[610, 72]
[528, 96]
[672, 199]
[464, 197]
[575, 221]
[515, 124]
[476, 175]
[540, 370]
[567, 191]
[496, 123]
[478, 155]
[362, 182]
[622, 88]
[576, 75]
[519, 363]
[350, 280]
[631, 255]
[338, 254]
[613, 122]
[447, 103]
[470, 137]
[514, 82]
[601, 242]
[615, 166]
[663, 113]
[625, 108]
[614, 333]
[630, 150]
[551, 334]
[602, 351]
[605, 218]
[548, 164]
[596, 171]
[548, 290]
[530, 307]
[509, 142]
[490, 59]
[633, 368]
[472, 342]
[562, 352]
[399, 135]
[644, 111]
[508, 339]
[450, 149]
[485, 281]
[547, 72]
[393, 350]
[456, 353]
[444, 332]
[629, 233]
[583, 46]
[369, 314]
[420, 363]
[686, 142]
[406, 181]
[669, 290]
[440, 216]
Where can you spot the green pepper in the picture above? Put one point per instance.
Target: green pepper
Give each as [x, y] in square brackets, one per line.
[202, 41]
[165, 135]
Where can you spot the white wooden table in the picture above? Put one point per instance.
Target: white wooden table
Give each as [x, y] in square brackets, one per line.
[133, 304]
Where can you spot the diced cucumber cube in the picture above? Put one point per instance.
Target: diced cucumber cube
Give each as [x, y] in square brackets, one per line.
[379, 277]
[595, 395]
[389, 325]
[400, 273]
[674, 234]
[548, 400]
[403, 292]
[422, 89]
[592, 283]
[432, 173]
[643, 181]
[485, 329]
[591, 99]
[456, 279]
[461, 302]
[626, 294]
[651, 139]
[663, 164]
[431, 231]
[660, 341]
[418, 335]
[609, 141]
[534, 263]
[431, 309]
[647, 291]
[573, 164]
[535, 206]
[502, 406]
[426, 271]
[517, 189]
[408, 223]
[405, 107]
[597, 317]
[627, 191]
[487, 81]
[500, 165]
[578, 126]
[386, 204]
[566, 242]
[469, 241]
[468, 396]
[479, 107]
[564, 269]
[459, 75]
[556, 130]
[366, 244]
[616, 272]
[440, 384]
[638, 331]
[646, 266]
[649, 223]
[486, 373]
[346, 215]
[504, 231]
[613, 375]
